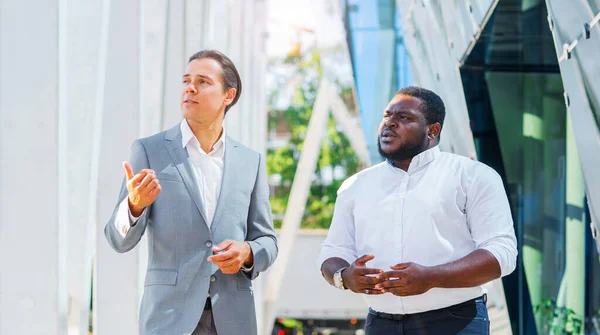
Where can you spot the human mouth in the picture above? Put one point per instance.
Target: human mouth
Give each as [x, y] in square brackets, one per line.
[388, 134]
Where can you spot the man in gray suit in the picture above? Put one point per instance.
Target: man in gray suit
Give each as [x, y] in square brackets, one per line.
[204, 201]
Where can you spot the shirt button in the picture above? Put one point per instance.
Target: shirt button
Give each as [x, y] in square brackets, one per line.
[208, 244]
[213, 279]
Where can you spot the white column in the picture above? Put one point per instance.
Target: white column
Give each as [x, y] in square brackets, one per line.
[350, 126]
[175, 63]
[79, 62]
[260, 58]
[154, 22]
[116, 297]
[195, 22]
[30, 232]
[297, 202]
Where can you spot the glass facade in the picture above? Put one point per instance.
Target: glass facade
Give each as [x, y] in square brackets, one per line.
[379, 60]
[520, 123]
[534, 115]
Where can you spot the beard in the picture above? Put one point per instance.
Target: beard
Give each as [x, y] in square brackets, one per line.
[405, 151]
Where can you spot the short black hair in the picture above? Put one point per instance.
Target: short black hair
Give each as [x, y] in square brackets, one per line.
[230, 76]
[432, 105]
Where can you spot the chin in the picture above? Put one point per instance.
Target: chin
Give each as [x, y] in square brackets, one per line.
[388, 148]
[186, 113]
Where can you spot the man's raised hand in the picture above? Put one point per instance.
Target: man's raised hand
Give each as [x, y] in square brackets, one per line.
[143, 188]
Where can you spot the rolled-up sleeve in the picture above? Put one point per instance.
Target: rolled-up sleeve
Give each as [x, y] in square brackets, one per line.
[124, 219]
[490, 220]
[340, 238]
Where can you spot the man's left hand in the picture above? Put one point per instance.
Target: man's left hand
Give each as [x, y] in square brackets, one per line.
[234, 255]
[406, 279]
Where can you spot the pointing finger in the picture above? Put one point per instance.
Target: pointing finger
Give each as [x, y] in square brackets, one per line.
[128, 170]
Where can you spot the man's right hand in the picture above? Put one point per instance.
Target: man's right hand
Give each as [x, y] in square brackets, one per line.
[143, 189]
[356, 277]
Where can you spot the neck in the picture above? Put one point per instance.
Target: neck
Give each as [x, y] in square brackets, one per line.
[207, 134]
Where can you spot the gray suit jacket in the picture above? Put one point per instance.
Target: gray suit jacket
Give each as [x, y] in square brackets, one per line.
[179, 278]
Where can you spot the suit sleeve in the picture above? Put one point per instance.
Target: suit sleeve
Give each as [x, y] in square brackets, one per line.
[124, 239]
[261, 235]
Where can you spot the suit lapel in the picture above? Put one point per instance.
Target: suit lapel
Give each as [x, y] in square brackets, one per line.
[181, 161]
[230, 167]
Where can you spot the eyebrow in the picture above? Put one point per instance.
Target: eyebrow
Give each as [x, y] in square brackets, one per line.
[402, 111]
[198, 75]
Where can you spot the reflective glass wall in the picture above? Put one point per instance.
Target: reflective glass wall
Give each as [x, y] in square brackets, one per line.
[379, 60]
[521, 127]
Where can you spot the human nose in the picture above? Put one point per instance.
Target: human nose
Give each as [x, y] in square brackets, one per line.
[190, 89]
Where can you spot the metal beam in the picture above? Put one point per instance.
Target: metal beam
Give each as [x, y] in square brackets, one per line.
[297, 202]
[350, 126]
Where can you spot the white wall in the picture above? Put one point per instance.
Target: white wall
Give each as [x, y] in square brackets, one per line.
[79, 81]
[30, 234]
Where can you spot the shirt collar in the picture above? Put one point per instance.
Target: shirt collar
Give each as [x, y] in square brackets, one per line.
[187, 135]
[421, 159]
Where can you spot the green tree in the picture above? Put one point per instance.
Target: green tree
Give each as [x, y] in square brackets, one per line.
[337, 160]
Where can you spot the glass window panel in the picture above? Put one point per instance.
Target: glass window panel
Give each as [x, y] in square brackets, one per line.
[592, 288]
[529, 113]
[363, 14]
[595, 107]
[514, 94]
[595, 6]
[515, 36]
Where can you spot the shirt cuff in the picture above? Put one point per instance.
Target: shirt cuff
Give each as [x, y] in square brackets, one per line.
[245, 268]
[330, 251]
[505, 256]
[124, 220]
[132, 219]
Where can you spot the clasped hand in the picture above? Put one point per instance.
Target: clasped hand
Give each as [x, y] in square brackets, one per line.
[233, 254]
[404, 279]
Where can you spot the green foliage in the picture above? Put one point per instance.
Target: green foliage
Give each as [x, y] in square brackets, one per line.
[558, 320]
[336, 151]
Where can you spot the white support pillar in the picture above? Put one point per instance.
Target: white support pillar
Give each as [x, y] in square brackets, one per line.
[31, 235]
[152, 59]
[116, 297]
[155, 15]
[297, 202]
[195, 15]
[80, 39]
[350, 127]
[175, 63]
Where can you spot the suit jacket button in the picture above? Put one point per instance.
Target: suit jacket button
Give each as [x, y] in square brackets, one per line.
[208, 244]
[213, 279]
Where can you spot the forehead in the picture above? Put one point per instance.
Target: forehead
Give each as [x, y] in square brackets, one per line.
[404, 103]
[205, 67]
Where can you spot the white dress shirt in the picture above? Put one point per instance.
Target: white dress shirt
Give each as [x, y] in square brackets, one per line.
[208, 170]
[440, 210]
